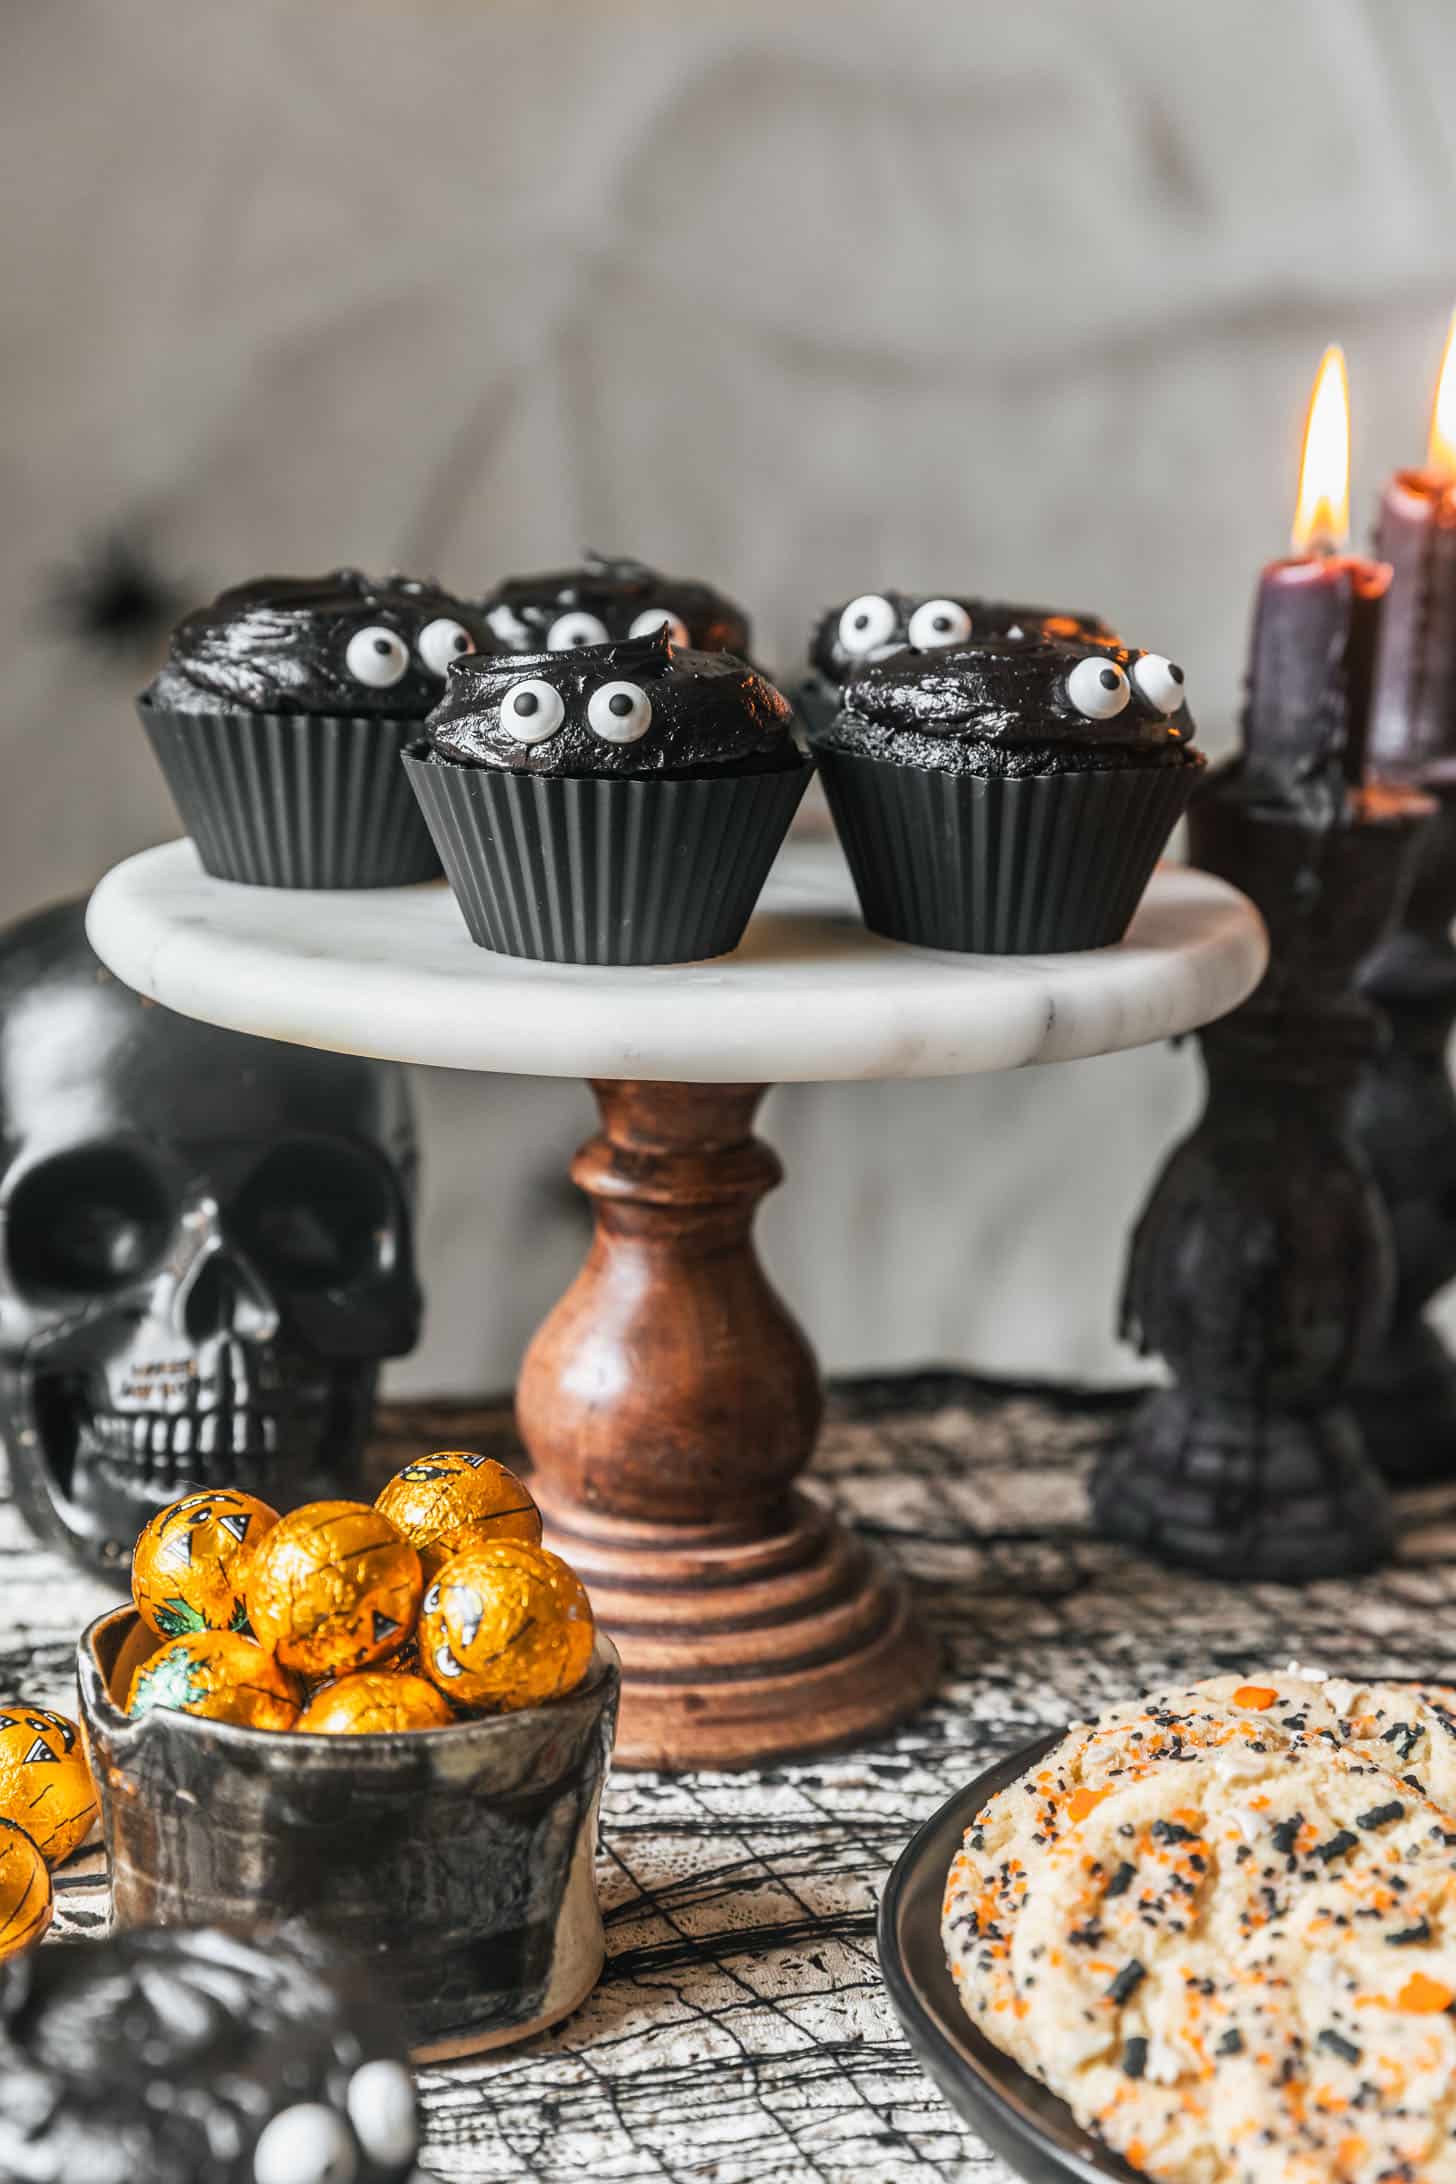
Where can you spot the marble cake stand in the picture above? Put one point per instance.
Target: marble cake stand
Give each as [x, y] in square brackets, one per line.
[669, 1402]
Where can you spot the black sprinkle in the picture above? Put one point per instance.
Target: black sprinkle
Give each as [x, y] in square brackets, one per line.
[1379, 1814]
[1339, 2045]
[1421, 1931]
[1336, 1847]
[1127, 1982]
[1232, 2042]
[1121, 1881]
[1403, 1736]
[1170, 1831]
[1287, 1831]
[1135, 2058]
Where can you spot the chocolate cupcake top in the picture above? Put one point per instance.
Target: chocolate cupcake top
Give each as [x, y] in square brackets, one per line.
[339, 643]
[1013, 706]
[603, 600]
[879, 623]
[642, 707]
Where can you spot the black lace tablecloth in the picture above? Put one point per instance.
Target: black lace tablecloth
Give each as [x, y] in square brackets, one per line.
[740, 2032]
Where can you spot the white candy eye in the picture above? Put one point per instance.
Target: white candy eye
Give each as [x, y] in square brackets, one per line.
[570, 630]
[1098, 688]
[431, 1600]
[619, 712]
[445, 1662]
[377, 657]
[442, 641]
[1160, 682]
[305, 2145]
[532, 711]
[939, 622]
[509, 627]
[865, 623]
[655, 618]
[381, 2105]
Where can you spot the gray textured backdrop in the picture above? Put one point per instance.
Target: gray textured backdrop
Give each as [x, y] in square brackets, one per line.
[806, 298]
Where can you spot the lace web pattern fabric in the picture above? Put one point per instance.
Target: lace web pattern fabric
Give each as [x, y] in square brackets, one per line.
[740, 2033]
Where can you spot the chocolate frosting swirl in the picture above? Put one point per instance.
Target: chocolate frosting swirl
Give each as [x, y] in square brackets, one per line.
[280, 645]
[1006, 706]
[988, 618]
[710, 713]
[523, 609]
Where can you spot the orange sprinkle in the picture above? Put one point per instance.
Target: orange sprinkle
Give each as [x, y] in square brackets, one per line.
[1425, 1995]
[1256, 1695]
[1351, 2151]
[1081, 1802]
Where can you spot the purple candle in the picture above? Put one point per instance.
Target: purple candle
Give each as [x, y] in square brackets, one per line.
[1316, 619]
[1413, 721]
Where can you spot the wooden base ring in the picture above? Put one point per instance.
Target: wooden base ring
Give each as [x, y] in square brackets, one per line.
[739, 1647]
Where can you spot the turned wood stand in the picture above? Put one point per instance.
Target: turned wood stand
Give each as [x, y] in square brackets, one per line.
[670, 1402]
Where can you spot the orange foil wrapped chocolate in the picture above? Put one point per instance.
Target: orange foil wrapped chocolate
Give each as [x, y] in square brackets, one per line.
[25, 1891]
[334, 1586]
[188, 1566]
[45, 1783]
[219, 1674]
[505, 1626]
[454, 1500]
[374, 1702]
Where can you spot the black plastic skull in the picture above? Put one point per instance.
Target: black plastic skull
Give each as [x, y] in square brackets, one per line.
[205, 1250]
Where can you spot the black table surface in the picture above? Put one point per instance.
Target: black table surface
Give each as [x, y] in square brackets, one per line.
[740, 2032]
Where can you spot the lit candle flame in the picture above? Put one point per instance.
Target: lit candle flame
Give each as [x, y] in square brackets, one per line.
[1322, 514]
[1441, 457]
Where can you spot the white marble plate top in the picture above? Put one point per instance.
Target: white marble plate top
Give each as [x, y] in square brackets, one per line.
[809, 995]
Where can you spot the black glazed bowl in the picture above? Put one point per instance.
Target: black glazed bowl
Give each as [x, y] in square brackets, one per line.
[1025, 2123]
[457, 1864]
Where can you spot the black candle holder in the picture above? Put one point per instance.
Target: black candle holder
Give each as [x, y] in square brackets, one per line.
[1262, 1265]
[1405, 1119]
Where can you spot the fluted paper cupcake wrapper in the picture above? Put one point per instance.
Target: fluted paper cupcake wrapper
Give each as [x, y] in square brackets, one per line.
[592, 871]
[293, 800]
[1048, 863]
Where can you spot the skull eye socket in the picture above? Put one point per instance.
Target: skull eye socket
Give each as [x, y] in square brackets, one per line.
[87, 1222]
[313, 1215]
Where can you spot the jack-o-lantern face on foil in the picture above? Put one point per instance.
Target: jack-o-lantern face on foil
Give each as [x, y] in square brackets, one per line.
[161, 2057]
[205, 1251]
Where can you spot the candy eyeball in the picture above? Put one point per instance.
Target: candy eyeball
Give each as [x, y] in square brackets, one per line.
[1098, 688]
[570, 631]
[939, 622]
[619, 712]
[306, 2145]
[377, 657]
[1160, 682]
[442, 641]
[652, 619]
[866, 622]
[381, 2105]
[532, 711]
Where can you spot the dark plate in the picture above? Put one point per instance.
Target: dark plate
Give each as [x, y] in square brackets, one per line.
[1025, 2124]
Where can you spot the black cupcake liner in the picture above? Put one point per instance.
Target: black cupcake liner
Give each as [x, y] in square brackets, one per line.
[1036, 866]
[295, 800]
[596, 871]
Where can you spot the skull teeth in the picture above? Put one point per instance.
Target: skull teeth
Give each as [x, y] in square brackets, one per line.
[161, 1447]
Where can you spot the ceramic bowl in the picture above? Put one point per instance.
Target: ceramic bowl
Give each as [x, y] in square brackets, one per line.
[457, 1862]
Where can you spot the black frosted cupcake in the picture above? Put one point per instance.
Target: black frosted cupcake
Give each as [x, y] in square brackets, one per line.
[280, 716]
[879, 623]
[1010, 796]
[606, 600]
[617, 803]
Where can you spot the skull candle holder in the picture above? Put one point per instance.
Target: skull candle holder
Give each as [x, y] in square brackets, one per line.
[206, 1249]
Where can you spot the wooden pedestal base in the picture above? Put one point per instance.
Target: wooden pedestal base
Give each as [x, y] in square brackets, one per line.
[741, 1648]
[668, 1403]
